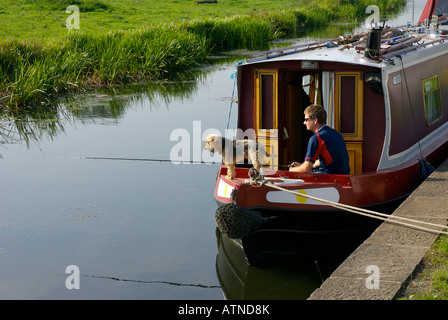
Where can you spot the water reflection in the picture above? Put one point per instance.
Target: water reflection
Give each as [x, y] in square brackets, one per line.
[289, 279]
[31, 125]
[111, 103]
[97, 105]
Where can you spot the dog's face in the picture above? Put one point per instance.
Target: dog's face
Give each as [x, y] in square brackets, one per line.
[210, 143]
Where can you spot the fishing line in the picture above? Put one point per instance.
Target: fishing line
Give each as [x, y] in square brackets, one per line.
[232, 100]
[178, 284]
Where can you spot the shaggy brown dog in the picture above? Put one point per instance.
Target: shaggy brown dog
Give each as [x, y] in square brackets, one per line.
[233, 151]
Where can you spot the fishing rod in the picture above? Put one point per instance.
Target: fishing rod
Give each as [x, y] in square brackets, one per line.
[141, 159]
[152, 160]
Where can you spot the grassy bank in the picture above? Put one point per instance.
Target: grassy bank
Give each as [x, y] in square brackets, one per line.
[35, 72]
[430, 281]
[113, 50]
[45, 19]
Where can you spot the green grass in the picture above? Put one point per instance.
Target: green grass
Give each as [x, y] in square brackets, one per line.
[432, 282]
[45, 19]
[121, 41]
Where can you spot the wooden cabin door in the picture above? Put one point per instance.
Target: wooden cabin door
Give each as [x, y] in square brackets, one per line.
[296, 135]
[348, 114]
[266, 112]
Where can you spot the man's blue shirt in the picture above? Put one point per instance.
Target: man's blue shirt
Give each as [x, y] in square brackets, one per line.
[329, 147]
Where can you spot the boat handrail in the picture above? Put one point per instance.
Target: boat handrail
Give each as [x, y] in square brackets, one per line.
[295, 48]
[391, 54]
[351, 41]
[400, 45]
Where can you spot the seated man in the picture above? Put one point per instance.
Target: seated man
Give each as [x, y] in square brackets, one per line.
[327, 152]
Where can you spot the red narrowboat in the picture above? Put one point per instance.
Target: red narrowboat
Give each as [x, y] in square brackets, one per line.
[385, 92]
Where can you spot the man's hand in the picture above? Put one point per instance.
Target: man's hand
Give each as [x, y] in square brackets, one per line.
[306, 166]
[294, 164]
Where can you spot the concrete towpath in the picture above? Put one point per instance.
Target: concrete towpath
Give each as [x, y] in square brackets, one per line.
[380, 266]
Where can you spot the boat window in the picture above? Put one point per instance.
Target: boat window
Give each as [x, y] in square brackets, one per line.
[432, 100]
[267, 103]
[266, 82]
[266, 113]
[349, 114]
[349, 105]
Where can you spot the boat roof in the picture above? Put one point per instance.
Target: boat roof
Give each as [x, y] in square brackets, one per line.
[322, 53]
[350, 49]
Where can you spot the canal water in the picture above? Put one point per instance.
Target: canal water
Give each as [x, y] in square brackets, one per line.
[72, 227]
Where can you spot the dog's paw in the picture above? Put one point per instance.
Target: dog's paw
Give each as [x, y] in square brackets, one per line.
[230, 177]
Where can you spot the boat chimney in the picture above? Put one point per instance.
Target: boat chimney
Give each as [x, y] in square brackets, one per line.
[373, 44]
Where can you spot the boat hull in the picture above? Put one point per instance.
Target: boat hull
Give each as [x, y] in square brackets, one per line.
[361, 191]
[278, 279]
[303, 228]
[266, 244]
[307, 234]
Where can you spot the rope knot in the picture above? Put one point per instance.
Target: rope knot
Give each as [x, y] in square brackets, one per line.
[256, 177]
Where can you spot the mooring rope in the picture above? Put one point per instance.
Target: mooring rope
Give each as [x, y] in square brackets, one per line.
[364, 212]
[231, 101]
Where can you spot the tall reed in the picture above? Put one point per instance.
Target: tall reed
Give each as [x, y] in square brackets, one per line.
[233, 32]
[32, 73]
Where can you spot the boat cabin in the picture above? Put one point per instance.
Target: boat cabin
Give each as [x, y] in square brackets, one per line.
[383, 106]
